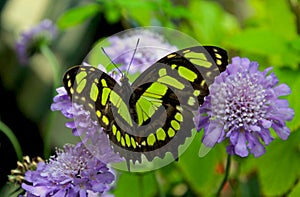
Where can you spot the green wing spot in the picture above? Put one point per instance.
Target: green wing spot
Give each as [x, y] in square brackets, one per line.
[162, 72]
[81, 86]
[219, 62]
[143, 143]
[173, 66]
[68, 76]
[69, 83]
[105, 120]
[195, 55]
[171, 55]
[133, 142]
[218, 56]
[103, 82]
[114, 129]
[157, 88]
[123, 111]
[122, 141]
[105, 94]
[115, 99]
[175, 125]
[171, 132]
[149, 94]
[127, 140]
[161, 135]
[146, 107]
[191, 101]
[171, 81]
[92, 106]
[98, 113]
[196, 92]
[80, 76]
[94, 92]
[71, 90]
[151, 139]
[118, 136]
[179, 108]
[203, 82]
[178, 117]
[201, 63]
[187, 73]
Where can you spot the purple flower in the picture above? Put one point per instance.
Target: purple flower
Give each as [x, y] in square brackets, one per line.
[242, 106]
[74, 171]
[31, 40]
[151, 48]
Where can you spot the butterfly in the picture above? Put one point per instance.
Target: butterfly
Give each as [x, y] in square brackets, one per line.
[153, 115]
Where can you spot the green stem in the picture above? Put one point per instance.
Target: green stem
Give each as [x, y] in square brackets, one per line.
[46, 51]
[141, 184]
[228, 163]
[11, 136]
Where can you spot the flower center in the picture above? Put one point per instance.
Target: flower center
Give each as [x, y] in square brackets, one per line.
[240, 101]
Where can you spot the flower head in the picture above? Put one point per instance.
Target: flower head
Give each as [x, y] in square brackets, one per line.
[243, 106]
[83, 125]
[74, 171]
[31, 40]
[151, 48]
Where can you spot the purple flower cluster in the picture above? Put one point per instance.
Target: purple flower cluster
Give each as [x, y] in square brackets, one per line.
[84, 126]
[243, 106]
[151, 48]
[74, 171]
[30, 41]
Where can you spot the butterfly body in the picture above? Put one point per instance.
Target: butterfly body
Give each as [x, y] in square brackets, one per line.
[153, 115]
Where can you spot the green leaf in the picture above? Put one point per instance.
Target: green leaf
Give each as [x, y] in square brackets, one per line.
[132, 185]
[209, 22]
[291, 78]
[276, 16]
[279, 168]
[296, 191]
[77, 15]
[11, 190]
[201, 173]
[260, 41]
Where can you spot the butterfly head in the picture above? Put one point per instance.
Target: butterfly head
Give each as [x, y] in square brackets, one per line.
[125, 83]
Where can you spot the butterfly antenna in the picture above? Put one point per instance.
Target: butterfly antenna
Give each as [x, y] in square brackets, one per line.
[136, 46]
[112, 61]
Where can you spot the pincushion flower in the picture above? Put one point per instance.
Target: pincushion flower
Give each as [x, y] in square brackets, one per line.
[151, 47]
[32, 39]
[243, 105]
[74, 171]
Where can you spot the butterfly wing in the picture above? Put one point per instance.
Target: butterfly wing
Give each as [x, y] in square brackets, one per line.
[167, 92]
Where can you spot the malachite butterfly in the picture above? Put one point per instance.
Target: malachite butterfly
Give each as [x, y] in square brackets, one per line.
[154, 115]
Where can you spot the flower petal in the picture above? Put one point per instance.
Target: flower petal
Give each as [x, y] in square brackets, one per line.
[212, 134]
[240, 148]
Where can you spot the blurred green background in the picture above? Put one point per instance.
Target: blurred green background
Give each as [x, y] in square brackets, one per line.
[266, 31]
